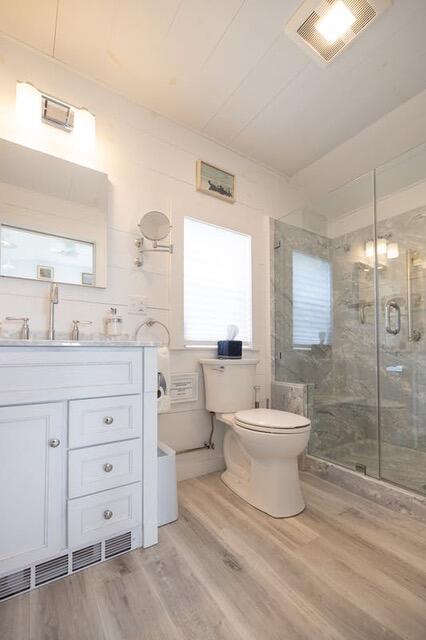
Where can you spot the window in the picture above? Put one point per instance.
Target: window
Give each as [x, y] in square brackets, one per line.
[217, 283]
[311, 300]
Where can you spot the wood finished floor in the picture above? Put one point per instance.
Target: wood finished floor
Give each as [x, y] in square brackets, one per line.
[345, 569]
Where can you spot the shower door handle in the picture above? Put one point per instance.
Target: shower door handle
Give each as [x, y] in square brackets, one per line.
[413, 334]
[393, 305]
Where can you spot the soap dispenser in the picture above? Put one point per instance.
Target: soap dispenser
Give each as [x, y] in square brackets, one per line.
[113, 323]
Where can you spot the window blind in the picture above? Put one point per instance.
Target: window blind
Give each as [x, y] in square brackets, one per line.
[311, 300]
[217, 283]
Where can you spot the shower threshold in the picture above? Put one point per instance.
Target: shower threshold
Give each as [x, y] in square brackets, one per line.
[402, 466]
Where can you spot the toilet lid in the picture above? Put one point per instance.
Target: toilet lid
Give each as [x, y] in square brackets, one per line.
[271, 419]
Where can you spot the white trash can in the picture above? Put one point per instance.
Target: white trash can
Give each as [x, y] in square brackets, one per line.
[167, 485]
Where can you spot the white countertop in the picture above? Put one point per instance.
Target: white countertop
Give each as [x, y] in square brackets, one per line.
[74, 343]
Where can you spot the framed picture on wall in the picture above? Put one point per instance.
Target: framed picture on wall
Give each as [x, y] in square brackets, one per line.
[44, 272]
[87, 279]
[215, 182]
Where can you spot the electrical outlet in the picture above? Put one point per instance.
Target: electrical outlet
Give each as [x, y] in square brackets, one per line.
[138, 305]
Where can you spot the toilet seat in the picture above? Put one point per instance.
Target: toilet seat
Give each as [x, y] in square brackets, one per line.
[271, 421]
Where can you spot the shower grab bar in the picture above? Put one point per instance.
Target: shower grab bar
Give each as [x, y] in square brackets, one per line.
[392, 304]
[413, 334]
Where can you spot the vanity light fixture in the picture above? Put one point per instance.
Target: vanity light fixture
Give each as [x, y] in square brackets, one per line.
[57, 114]
[325, 27]
[35, 107]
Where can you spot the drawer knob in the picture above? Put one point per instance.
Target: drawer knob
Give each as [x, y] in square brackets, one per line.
[108, 467]
[54, 442]
[108, 514]
[108, 419]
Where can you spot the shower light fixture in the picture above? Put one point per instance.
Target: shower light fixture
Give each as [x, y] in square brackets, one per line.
[369, 249]
[381, 248]
[392, 250]
[34, 108]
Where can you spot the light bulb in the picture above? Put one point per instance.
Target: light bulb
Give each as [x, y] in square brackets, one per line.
[369, 249]
[393, 250]
[336, 22]
[381, 246]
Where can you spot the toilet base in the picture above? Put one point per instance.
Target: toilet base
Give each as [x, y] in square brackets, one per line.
[241, 486]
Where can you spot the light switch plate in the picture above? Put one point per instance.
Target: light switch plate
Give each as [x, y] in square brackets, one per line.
[138, 305]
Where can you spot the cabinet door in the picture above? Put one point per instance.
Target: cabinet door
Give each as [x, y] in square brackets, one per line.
[32, 487]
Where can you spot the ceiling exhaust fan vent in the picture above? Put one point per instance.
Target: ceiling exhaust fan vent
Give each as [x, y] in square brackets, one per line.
[324, 28]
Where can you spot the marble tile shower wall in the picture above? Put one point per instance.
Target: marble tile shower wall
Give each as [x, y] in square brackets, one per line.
[403, 396]
[342, 377]
[296, 365]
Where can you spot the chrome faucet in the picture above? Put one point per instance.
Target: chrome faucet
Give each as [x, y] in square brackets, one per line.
[25, 330]
[53, 299]
[76, 324]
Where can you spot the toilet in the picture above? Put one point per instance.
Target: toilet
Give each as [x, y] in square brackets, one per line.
[261, 446]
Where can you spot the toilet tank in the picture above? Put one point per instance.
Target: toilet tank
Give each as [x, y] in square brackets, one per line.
[229, 384]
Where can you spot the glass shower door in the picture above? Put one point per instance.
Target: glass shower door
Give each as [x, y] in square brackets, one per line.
[401, 299]
[325, 321]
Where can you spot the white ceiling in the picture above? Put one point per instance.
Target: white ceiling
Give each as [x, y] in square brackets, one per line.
[227, 69]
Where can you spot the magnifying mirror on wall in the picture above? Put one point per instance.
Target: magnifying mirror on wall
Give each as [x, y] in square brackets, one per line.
[154, 226]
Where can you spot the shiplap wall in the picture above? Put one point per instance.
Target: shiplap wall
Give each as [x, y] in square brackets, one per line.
[150, 162]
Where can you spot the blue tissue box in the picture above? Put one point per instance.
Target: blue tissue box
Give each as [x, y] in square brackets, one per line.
[230, 349]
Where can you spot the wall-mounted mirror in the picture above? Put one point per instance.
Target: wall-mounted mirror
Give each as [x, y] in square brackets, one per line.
[154, 225]
[53, 218]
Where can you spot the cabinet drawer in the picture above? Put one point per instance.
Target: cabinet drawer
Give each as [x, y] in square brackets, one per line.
[46, 374]
[102, 420]
[104, 467]
[104, 514]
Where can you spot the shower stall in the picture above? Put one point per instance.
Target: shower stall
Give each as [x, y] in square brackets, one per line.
[350, 320]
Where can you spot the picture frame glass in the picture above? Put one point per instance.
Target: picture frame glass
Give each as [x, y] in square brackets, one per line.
[215, 181]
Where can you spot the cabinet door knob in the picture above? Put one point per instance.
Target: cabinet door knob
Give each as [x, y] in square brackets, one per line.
[108, 514]
[54, 442]
[108, 419]
[108, 467]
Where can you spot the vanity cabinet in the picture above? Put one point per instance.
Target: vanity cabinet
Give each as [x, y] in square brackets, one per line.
[78, 456]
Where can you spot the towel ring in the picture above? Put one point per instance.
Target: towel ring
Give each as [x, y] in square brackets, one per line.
[149, 323]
